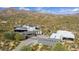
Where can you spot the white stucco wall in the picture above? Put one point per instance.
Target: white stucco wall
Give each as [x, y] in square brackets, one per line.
[60, 34]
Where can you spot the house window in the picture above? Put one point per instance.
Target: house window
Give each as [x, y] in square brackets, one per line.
[67, 38]
[20, 30]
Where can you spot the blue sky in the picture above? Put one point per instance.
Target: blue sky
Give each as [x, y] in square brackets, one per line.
[51, 10]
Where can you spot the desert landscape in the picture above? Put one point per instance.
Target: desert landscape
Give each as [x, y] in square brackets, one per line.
[43, 23]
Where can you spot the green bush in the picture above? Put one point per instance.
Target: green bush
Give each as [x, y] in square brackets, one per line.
[9, 35]
[59, 47]
[26, 48]
[1, 30]
[19, 37]
[13, 36]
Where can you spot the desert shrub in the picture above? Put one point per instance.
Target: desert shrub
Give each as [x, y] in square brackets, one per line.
[9, 35]
[1, 30]
[19, 37]
[26, 48]
[59, 47]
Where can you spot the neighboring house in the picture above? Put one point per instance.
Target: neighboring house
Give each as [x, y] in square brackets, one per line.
[27, 30]
[63, 35]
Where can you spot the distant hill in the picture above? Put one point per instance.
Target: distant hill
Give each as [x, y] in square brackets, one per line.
[48, 22]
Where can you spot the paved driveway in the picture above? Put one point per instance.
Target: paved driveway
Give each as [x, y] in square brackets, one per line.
[27, 42]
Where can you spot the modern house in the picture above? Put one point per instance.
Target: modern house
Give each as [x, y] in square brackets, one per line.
[27, 30]
[63, 35]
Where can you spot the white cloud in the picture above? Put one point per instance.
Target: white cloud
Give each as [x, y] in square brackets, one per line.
[61, 11]
[69, 11]
[76, 9]
[23, 8]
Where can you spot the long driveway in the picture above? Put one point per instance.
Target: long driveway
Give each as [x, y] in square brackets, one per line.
[27, 42]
